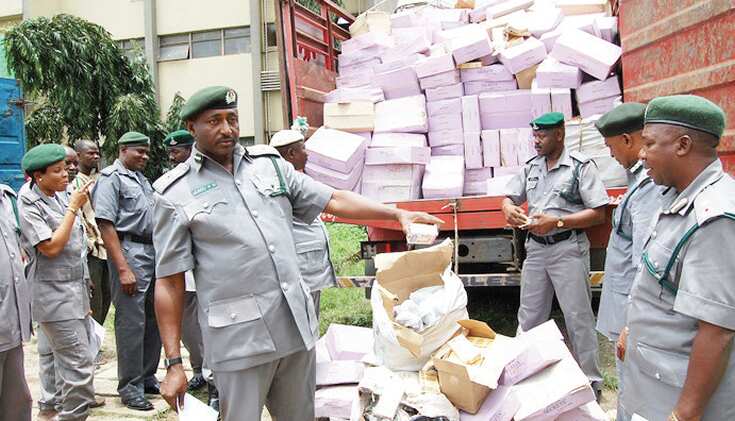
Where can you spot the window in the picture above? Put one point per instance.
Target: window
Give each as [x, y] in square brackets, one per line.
[237, 40]
[271, 40]
[206, 44]
[174, 47]
[130, 47]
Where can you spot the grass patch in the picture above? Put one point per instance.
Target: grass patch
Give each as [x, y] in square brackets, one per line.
[344, 248]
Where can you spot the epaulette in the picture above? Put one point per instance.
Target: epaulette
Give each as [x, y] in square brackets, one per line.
[108, 170]
[4, 188]
[531, 159]
[165, 181]
[257, 151]
[579, 156]
[715, 201]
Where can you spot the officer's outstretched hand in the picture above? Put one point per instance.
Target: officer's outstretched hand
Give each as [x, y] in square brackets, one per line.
[173, 387]
[406, 218]
[542, 223]
[515, 215]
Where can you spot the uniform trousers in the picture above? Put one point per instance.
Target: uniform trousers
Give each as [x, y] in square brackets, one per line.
[562, 268]
[191, 333]
[285, 386]
[69, 340]
[50, 398]
[99, 273]
[15, 399]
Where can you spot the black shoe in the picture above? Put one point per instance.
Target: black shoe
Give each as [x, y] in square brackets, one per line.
[152, 389]
[213, 399]
[138, 403]
[196, 382]
[597, 388]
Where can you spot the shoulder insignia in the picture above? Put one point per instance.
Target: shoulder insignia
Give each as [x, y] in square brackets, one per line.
[257, 151]
[108, 170]
[4, 188]
[579, 156]
[531, 159]
[165, 181]
[715, 201]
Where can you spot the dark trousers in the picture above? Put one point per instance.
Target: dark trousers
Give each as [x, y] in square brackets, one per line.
[101, 294]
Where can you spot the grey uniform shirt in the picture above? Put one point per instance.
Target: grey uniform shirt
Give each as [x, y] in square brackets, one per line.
[15, 297]
[572, 185]
[58, 284]
[631, 221]
[236, 232]
[663, 323]
[312, 249]
[125, 198]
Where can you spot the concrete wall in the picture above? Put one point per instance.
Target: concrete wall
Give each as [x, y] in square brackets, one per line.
[176, 16]
[10, 8]
[122, 18]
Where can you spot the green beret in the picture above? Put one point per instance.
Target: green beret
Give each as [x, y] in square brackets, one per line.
[41, 156]
[625, 118]
[133, 138]
[213, 97]
[548, 121]
[690, 111]
[178, 138]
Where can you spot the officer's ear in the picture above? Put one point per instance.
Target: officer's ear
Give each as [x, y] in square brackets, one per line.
[683, 145]
[189, 125]
[628, 140]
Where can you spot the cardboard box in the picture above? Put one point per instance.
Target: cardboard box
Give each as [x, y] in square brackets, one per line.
[509, 145]
[415, 41]
[500, 405]
[448, 150]
[371, 21]
[532, 352]
[580, 7]
[498, 185]
[558, 389]
[478, 175]
[496, 9]
[503, 171]
[593, 55]
[471, 45]
[606, 27]
[526, 148]
[388, 140]
[398, 155]
[406, 19]
[445, 122]
[553, 74]
[407, 60]
[472, 150]
[355, 80]
[360, 93]
[496, 102]
[348, 343]
[471, 114]
[385, 173]
[333, 178]
[322, 353]
[442, 79]
[398, 83]
[598, 106]
[445, 92]
[445, 106]
[525, 78]
[339, 372]
[505, 120]
[588, 412]
[367, 40]
[353, 117]
[561, 101]
[523, 55]
[402, 115]
[540, 100]
[549, 39]
[585, 22]
[392, 183]
[444, 178]
[447, 137]
[490, 148]
[334, 402]
[483, 86]
[492, 73]
[599, 89]
[336, 150]
[542, 21]
[434, 65]
[367, 57]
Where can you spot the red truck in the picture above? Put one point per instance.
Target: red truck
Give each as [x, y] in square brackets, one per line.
[668, 48]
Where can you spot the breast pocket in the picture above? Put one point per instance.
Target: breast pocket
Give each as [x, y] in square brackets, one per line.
[665, 366]
[237, 329]
[311, 257]
[659, 262]
[210, 218]
[131, 199]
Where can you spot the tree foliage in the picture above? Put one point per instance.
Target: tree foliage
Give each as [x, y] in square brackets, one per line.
[84, 84]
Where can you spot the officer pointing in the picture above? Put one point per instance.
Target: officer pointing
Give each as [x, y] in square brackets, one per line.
[227, 214]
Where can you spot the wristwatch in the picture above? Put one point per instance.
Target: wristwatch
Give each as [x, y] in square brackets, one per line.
[560, 223]
[172, 362]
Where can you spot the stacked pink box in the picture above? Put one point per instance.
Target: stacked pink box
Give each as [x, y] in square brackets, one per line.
[398, 83]
[444, 177]
[451, 77]
[394, 166]
[606, 27]
[544, 20]
[405, 61]
[523, 55]
[402, 115]
[593, 55]
[360, 93]
[561, 101]
[493, 78]
[468, 43]
[336, 158]
[598, 97]
[553, 74]
[498, 8]
[475, 181]
[506, 110]
[540, 100]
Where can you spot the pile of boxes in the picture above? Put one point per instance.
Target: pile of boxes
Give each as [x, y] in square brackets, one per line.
[433, 90]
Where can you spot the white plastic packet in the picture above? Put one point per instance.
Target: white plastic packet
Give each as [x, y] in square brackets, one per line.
[422, 234]
[195, 410]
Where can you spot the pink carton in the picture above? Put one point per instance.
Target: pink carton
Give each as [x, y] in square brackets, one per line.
[471, 45]
[360, 93]
[445, 106]
[532, 352]
[367, 40]
[561, 101]
[505, 120]
[404, 37]
[339, 372]
[524, 55]
[404, 61]
[361, 67]
[447, 137]
[544, 20]
[540, 100]
[549, 39]
[591, 91]
[598, 106]
[552, 74]
[334, 401]
[451, 77]
[348, 343]
[445, 92]
[336, 150]
[498, 185]
[451, 150]
[445, 122]
[367, 55]
[606, 27]
[509, 146]
[390, 140]
[402, 173]
[355, 80]
[492, 73]
[336, 179]
[497, 102]
[584, 22]
[406, 19]
[477, 175]
[444, 177]
[434, 65]
[398, 83]
[490, 148]
[526, 141]
[495, 9]
[500, 405]
[472, 150]
[322, 354]
[470, 114]
[588, 412]
[503, 171]
[392, 183]
[593, 55]
[402, 115]
[419, 42]
[398, 155]
[482, 86]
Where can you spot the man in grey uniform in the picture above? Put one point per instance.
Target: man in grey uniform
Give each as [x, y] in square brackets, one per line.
[565, 195]
[680, 359]
[123, 201]
[312, 240]
[15, 313]
[227, 214]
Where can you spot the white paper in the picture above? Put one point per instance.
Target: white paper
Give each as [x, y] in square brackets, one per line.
[98, 336]
[195, 410]
[637, 417]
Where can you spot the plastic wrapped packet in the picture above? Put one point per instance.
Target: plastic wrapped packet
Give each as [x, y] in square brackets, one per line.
[423, 234]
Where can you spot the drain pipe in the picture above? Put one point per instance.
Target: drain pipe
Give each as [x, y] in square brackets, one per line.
[256, 26]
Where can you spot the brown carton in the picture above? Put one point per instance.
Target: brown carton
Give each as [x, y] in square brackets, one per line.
[355, 117]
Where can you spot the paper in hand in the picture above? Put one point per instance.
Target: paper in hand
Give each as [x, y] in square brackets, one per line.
[195, 410]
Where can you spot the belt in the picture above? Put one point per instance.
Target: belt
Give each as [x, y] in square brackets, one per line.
[147, 239]
[553, 239]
